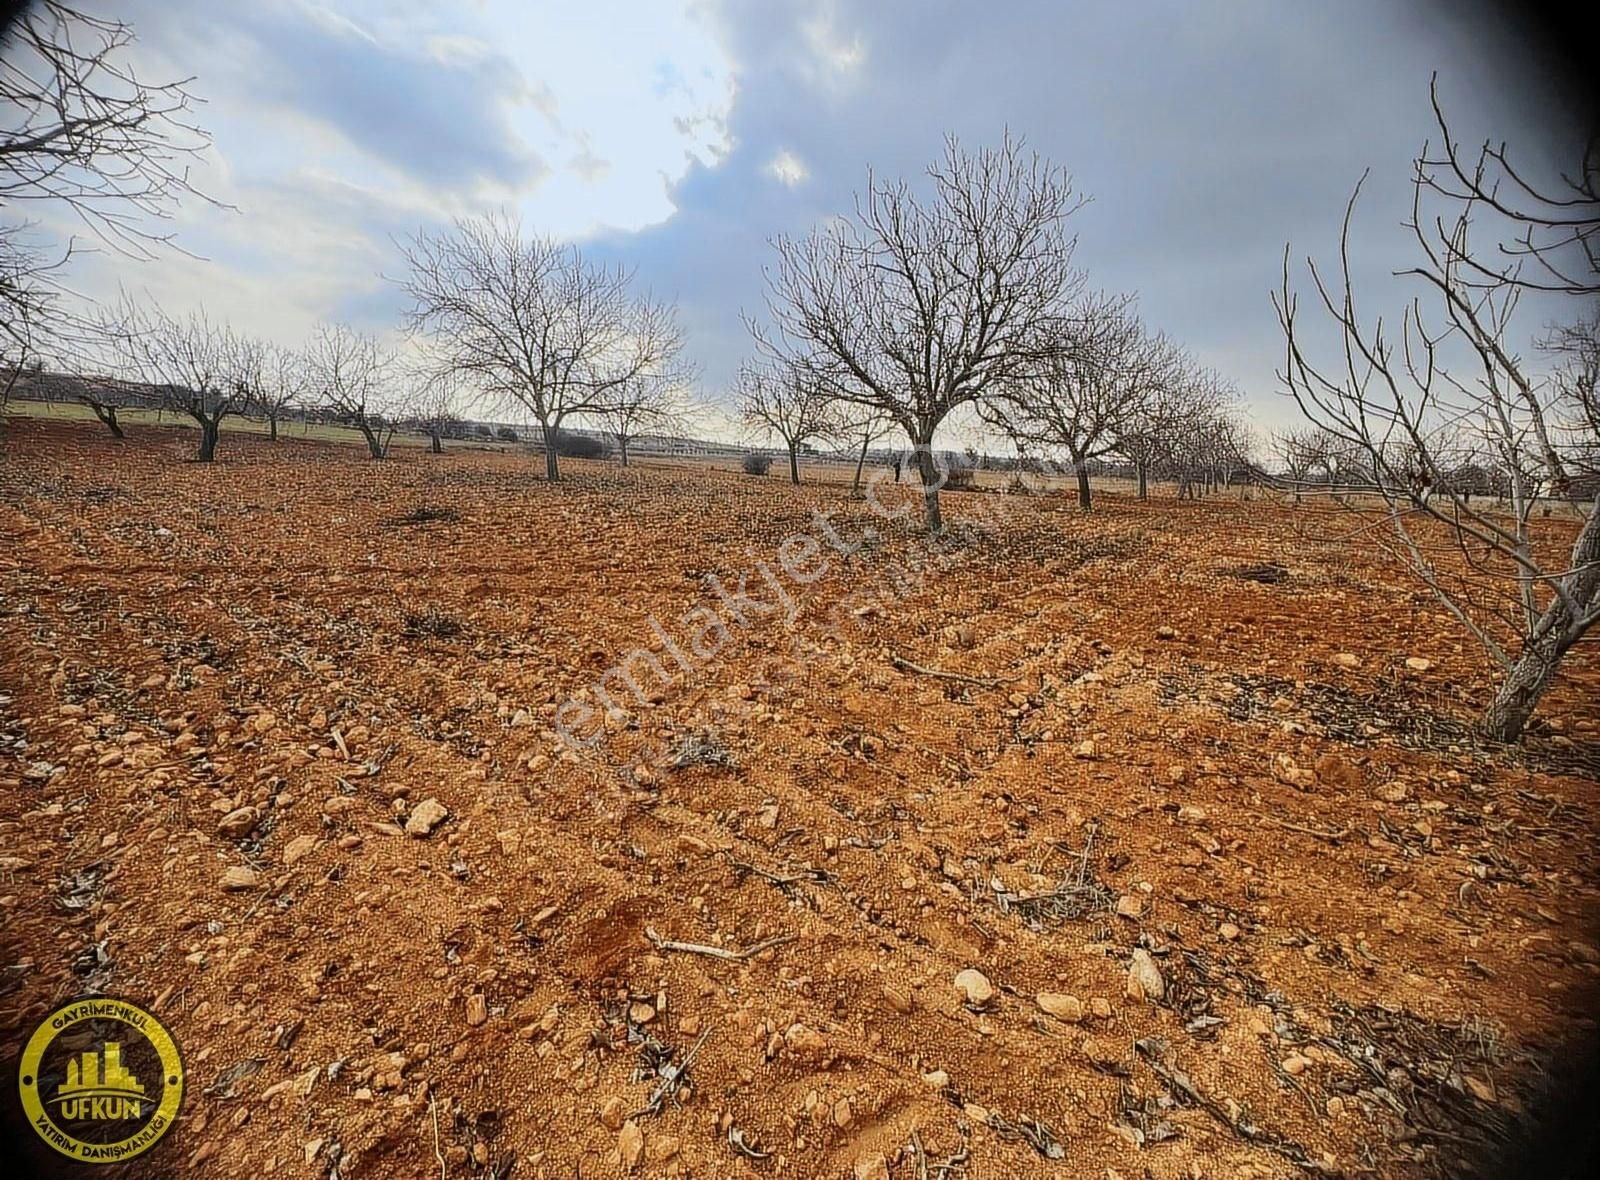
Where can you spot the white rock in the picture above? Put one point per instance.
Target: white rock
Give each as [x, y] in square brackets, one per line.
[975, 986]
[426, 816]
[239, 878]
[1061, 1006]
[1144, 977]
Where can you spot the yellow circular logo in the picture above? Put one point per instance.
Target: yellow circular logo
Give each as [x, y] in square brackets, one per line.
[101, 1080]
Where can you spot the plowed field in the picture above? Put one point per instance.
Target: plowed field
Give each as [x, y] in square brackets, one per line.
[1058, 848]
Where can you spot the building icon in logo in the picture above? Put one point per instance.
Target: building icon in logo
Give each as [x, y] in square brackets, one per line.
[100, 1090]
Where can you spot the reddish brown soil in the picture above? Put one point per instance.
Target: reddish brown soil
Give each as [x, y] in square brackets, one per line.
[1291, 839]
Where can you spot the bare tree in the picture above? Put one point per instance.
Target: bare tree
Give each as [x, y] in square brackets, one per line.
[915, 307]
[350, 371]
[84, 382]
[282, 382]
[1144, 435]
[29, 303]
[82, 128]
[1576, 402]
[1405, 408]
[532, 321]
[1086, 387]
[246, 360]
[104, 407]
[648, 403]
[1303, 453]
[868, 425]
[787, 401]
[435, 399]
[1203, 439]
[186, 363]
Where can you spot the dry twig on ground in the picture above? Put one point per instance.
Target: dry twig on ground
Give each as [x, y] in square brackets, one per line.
[716, 952]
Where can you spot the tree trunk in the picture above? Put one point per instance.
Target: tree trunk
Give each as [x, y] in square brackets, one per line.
[861, 461]
[622, 445]
[1144, 480]
[272, 427]
[1085, 497]
[374, 445]
[929, 474]
[1552, 636]
[1520, 691]
[552, 468]
[435, 442]
[108, 415]
[208, 439]
[794, 464]
[899, 463]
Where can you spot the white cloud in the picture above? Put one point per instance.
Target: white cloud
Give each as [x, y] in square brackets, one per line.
[786, 168]
[837, 57]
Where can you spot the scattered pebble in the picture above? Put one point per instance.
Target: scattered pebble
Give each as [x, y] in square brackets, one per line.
[239, 823]
[1144, 977]
[975, 987]
[630, 1144]
[1061, 1006]
[240, 877]
[426, 816]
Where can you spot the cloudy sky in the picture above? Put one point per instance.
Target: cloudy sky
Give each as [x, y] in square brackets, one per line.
[679, 137]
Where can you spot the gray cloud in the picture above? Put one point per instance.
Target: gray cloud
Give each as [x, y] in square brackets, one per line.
[1207, 136]
[438, 113]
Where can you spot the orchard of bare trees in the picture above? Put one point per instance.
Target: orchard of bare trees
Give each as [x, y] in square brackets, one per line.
[934, 310]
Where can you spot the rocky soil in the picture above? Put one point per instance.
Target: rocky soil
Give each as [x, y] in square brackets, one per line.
[1149, 843]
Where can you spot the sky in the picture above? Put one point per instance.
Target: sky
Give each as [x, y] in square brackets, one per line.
[679, 137]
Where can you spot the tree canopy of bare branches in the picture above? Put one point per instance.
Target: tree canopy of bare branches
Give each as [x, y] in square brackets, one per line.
[81, 129]
[532, 321]
[28, 304]
[1448, 410]
[283, 384]
[915, 306]
[349, 372]
[434, 397]
[785, 400]
[1575, 385]
[1549, 232]
[1205, 443]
